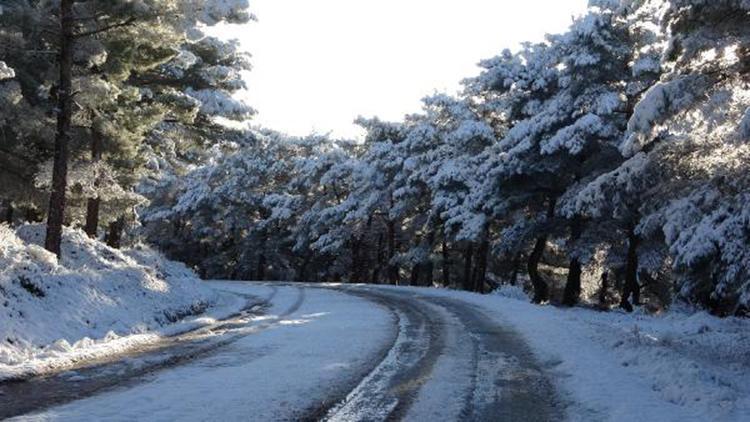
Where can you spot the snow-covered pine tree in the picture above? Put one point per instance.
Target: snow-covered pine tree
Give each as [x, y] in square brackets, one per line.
[564, 108]
[371, 200]
[108, 44]
[322, 242]
[688, 133]
[673, 190]
[509, 92]
[611, 197]
[19, 121]
[442, 147]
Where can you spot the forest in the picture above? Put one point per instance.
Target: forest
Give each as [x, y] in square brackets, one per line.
[606, 166]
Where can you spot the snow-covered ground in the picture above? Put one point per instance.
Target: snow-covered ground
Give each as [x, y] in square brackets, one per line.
[678, 366]
[94, 302]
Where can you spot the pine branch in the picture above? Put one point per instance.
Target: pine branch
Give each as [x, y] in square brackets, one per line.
[127, 22]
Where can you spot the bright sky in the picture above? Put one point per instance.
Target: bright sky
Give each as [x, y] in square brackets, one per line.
[318, 64]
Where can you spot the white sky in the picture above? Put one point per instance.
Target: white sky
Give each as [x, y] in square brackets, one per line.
[318, 64]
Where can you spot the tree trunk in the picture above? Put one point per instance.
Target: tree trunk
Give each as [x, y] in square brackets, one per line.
[114, 236]
[446, 264]
[92, 217]
[260, 271]
[516, 266]
[356, 264]
[302, 270]
[603, 290]
[375, 278]
[415, 273]
[56, 211]
[8, 218]
[468, 254]
[572, 293]
[392, 269]
[92, 207]
[541, 290]
[429, 268]
[631, 287]
[360, 267]
[480, 266]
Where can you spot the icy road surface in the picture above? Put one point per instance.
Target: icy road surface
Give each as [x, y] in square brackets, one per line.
[310, 352]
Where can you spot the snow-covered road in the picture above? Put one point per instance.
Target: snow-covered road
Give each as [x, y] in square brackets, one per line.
[339, 353]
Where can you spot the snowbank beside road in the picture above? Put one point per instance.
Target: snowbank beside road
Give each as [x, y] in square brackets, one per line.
[613, 366]
[93, 302]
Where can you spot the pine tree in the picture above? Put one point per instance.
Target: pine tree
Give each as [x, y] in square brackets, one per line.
[105, 45]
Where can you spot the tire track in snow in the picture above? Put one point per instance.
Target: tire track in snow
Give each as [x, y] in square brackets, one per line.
[297, 304]
[506, 381]
[387, 392]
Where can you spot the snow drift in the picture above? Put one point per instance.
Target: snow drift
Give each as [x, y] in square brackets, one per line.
[93, 296]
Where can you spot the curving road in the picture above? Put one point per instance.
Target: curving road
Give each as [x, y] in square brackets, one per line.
[412, 356]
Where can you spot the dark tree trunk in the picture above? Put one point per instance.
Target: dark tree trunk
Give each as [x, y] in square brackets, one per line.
[302, 270]
[56, 211]
[516, 267]
[114, 235]
[92, 207]
[356, 262]
[468, 255]
[92, 217]
[429, 268]
[603, 290]
[8, 218]
[392, 269]
[260, 271]
[375, 278]
[541, 290]
[360, 256]
[631, 287]
[572, 293]
[446, 264]
[480, 266]
[233, 275]
[415, 273]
